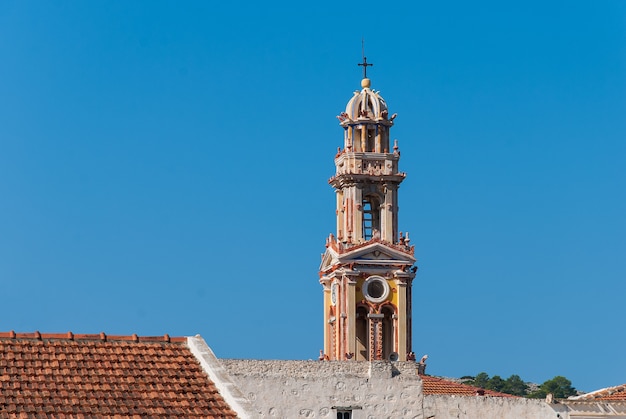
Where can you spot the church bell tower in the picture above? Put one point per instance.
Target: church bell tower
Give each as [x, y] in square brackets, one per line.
[368, 266]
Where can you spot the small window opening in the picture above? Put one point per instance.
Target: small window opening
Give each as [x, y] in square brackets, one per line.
[344, 414]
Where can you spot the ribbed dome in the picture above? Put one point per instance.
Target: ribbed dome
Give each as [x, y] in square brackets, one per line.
[367, 104]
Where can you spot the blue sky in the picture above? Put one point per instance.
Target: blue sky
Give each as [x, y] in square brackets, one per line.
[164, 167]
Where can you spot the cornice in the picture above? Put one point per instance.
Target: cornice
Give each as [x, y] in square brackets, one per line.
[340, 248]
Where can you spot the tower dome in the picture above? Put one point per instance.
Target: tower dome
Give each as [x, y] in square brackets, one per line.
[366, 121]
[367, 104]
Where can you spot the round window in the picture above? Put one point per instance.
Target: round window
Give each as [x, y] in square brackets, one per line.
[375, 289]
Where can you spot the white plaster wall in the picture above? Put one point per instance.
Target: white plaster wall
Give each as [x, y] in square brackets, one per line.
[309, 389]
[474, 407]
[381, 389]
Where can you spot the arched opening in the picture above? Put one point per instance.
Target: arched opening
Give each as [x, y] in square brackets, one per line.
[371, 139]
[388, 333]
[384, 139]
[362, 341]
[355, 134]
[371, 217]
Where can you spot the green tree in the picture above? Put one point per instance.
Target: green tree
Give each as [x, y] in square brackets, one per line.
[515, 385]
[496, 383]
[481, 380]
[559, 386]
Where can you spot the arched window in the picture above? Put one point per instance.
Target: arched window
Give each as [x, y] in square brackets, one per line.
[362, 334]
[388, 331]
[371, 217]
[371, 139]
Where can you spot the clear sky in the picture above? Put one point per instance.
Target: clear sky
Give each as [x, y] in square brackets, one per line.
[164, 167]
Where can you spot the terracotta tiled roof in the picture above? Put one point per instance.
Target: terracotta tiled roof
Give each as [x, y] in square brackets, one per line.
[435, 385]
[609, 393]
[66, 375]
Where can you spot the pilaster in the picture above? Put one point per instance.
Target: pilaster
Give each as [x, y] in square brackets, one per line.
[350, 286]
[402, 319]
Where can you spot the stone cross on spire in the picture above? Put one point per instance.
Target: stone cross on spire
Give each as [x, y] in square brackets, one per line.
[365, 64]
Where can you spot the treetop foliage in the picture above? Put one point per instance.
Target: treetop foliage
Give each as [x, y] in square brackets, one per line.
[559, 386]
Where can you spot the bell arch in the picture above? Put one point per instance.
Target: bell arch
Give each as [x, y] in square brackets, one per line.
[362, 333]
[389, 330]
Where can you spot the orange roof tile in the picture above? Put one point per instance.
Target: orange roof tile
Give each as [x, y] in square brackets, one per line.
[609, 393]
[67, 375]
[436, 386]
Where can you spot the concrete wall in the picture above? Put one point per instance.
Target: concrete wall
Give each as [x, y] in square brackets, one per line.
[310, 389]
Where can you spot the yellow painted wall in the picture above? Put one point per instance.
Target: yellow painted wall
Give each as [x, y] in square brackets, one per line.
[392, 297]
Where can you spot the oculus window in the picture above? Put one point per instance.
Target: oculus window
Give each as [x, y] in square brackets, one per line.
[375, 289]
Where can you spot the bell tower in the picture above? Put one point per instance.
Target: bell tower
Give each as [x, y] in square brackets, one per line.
[368, 266]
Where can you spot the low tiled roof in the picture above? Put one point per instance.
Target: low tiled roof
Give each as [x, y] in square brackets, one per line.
[67, 375]
[440, 386]
[609, 393]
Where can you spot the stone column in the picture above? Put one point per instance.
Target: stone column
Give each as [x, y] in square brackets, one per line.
[387, 222]
[358, 214]
[349, 280]
[376, 342]
[340, 216]
[364, 138]
[402, 320]
[327, 336]
[349, 214]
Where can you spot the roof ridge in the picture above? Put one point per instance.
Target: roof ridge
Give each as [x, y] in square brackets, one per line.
[103, 337]
[479, 391]
[603, 392]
